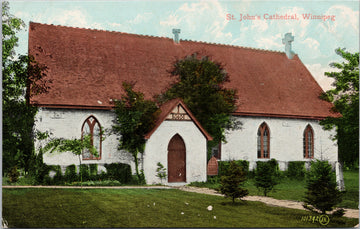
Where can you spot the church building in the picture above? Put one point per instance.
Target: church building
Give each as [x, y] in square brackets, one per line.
[279, 105]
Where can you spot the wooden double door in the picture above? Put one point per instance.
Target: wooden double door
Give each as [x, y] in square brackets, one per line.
[176, 159]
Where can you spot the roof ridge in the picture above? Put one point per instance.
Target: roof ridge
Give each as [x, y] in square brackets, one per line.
[100, 30]
[234, 46]
[161, 37]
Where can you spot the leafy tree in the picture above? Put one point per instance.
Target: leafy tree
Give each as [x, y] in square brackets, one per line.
[231, 182]
[345, 97]
[201, 87]
[322, 192]
[75, 146]
[18, 72]
[161, 171]
[266, 176]
[135, 117]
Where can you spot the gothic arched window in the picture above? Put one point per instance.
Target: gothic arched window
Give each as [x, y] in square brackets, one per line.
[92, 127]
[263, 141]
[308, 142]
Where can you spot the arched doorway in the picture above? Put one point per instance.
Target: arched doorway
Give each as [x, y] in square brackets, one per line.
[176, 160]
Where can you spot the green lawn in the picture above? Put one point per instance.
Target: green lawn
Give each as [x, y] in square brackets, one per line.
[351, 195]
[289, 189]
[144, 208]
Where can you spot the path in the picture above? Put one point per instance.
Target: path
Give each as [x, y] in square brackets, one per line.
[350, 213]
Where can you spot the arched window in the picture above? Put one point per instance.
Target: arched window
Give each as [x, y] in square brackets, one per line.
[308, 142]
[92, 127]
[263, 141]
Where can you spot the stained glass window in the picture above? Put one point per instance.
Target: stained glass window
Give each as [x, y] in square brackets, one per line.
[92, 127]
[308, 142]
[263, 141]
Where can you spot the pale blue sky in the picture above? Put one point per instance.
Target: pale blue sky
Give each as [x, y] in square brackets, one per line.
[315, 39]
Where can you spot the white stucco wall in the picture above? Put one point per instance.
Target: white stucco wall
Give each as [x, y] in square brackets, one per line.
[157, 150]
[286, 141]
[67, 123]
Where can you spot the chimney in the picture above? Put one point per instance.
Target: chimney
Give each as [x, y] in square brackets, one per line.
[176, 32]
[288, 38]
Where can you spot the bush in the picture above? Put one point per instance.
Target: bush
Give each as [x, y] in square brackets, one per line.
[70, 173]
[266, 175]
[296, 170]
[101, 176]
[58, 178]
[231, 182]
[93, 171]
[224, 166]
[41, 174]
[161, 171]
[14, 174]
[322, 193]
[213, 179]
[84, 172]
[39, 170]
[120, 172]
[98, 183]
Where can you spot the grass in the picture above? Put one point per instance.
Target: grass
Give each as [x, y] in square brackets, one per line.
[351, 195]
[287, 189]
[144, 208]
[290, 189]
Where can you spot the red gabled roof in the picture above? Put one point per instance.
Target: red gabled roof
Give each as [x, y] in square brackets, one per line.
[87, 68]
[167, 107]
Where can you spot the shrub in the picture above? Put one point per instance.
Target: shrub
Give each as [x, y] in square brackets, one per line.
[39, 170]
[58, 178]
[161, 171]
[266, 175]
[85, 172]
[322, 193]
[14, 174]
[296, 170]
[224, 166]
[93, 170]
[70, 173]
[213, 179]
[119, 171]
[98, 183]
[138, 181]
[232, 180]
[274, 167]
[101, 176]
[41, 173]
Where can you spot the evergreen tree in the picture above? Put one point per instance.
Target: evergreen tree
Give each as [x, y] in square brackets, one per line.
[322, 192]
[265, 176]
[231, 182]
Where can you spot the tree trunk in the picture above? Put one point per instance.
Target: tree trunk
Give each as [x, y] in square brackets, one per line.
[135, 155]
[80, 171]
